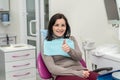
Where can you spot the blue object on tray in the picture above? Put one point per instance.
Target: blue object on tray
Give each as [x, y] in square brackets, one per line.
[107, 76]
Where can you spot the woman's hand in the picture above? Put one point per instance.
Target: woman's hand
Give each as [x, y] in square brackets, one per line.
[82, 73]
[65, 46]
[85, 74]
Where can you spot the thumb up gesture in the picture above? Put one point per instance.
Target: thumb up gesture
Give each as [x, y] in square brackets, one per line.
[65, 46]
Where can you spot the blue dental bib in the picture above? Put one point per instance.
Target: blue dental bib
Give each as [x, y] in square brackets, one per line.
[54, 47]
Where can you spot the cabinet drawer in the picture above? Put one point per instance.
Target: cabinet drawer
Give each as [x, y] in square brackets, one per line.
[17, 65]
[19, 55]
[21, 74]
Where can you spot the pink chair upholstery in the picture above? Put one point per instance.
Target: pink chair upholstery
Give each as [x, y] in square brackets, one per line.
[83, 63]
[42, 69]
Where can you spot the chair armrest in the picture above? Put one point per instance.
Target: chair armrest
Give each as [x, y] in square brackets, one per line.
[103, 69]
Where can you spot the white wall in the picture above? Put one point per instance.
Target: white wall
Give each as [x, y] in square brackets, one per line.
[14, 27]
[87, 19]
[2, 28]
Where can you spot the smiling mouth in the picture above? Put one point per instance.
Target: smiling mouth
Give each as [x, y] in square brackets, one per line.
[60, 32]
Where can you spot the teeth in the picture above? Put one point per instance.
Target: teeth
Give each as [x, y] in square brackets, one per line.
[60, 31]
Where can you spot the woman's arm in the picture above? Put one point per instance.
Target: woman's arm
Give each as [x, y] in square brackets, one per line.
[75, 53]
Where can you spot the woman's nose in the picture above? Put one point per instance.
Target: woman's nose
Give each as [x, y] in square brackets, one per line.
[60, 27]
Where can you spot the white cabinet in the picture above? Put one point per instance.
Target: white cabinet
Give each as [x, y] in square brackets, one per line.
[4, 5]
[17, 62]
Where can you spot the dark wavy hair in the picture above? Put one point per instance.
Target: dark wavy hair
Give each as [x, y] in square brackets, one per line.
[52, 22]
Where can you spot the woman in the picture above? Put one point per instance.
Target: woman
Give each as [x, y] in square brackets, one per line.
[64, 66]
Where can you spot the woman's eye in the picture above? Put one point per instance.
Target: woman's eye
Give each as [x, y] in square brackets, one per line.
[63, 25]
[56, 25]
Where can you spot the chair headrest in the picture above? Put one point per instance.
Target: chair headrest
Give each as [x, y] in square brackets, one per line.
[44, 33]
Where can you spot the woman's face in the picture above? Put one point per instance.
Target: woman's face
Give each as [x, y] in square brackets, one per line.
[59, 27]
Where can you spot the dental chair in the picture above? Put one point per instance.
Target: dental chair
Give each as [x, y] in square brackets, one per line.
[46, 75]
[42, 69]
